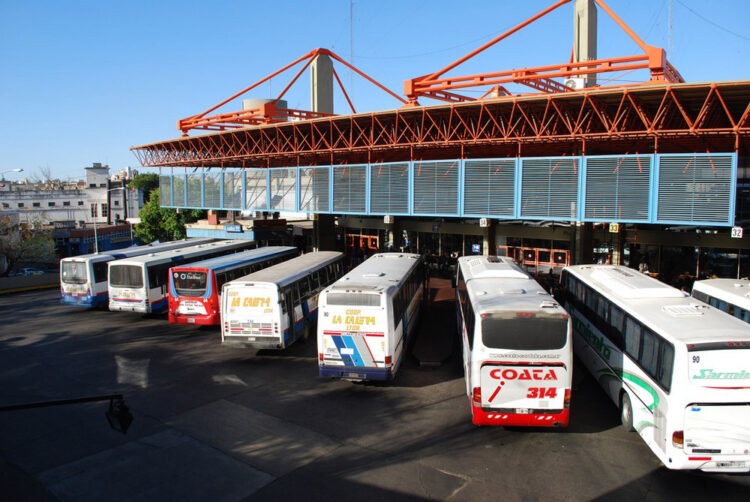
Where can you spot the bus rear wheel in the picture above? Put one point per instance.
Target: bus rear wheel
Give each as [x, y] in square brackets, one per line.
[626, 412]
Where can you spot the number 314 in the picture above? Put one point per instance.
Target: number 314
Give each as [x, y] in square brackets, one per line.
[540, 392]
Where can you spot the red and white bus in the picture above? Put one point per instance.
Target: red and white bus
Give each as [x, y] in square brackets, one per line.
[195, 288]
[517, 345]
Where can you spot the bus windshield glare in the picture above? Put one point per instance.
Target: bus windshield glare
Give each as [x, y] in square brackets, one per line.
[126, 276]
[74, 272]
[190, 283]
[524, 333]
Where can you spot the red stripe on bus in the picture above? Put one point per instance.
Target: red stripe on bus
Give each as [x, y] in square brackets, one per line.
[368, 350]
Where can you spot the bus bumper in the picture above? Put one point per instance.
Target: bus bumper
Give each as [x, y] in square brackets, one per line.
[488, 416]
[355, 372]
[242, 342]
[203, 320]
[85, 301]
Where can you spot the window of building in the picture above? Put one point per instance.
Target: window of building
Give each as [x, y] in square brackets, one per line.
[92, 185]
[50, 204]
[102, 185]
[117, 203]
[5, 205]
[20, 204]
[94, 213]
[105, 209]
[80, 202]
[37, 204]
[66, 203]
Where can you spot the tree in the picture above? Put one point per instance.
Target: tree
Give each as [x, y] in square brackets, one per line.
[20, 245]
[161, 223]
[148, 182]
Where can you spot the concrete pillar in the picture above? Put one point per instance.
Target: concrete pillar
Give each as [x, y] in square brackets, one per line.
[584, 35]
[321, 85]
[324, 232]
[618, 246]
[583, 251]
[394, 235]
[489, 247]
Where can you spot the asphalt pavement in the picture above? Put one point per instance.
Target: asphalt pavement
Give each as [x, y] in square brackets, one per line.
[220, 423]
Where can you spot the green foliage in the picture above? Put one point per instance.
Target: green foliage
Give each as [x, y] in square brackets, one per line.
[147, 182]
[164, 224]
[21, 245]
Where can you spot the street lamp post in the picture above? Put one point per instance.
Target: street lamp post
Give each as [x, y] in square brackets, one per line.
[96, 238]
[17, 170]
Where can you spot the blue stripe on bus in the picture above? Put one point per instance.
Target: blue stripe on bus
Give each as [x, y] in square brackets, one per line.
[160, 305]
[338, 340]
[356, 358]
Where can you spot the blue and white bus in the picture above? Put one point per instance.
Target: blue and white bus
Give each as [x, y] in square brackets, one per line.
[141, 283]
[274, 307]
[368, 316]
[83, 279]
[195, 288]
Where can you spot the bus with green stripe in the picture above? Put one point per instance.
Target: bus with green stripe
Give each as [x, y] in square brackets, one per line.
[678, 369]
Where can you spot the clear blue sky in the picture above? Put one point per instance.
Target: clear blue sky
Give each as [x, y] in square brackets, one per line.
[83, 81]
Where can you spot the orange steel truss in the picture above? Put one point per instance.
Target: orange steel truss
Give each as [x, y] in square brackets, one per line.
[270, 112]
[436, 86]
[656, 118]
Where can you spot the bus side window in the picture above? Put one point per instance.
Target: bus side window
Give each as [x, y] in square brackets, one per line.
[666, 361]
[602, 310]
[649, 353]
[282, 299]
[713, 302]
[616, 321]
[470, 325]
[100, 271]
[632, 338]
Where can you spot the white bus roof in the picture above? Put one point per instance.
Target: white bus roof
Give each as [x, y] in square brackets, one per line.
[220, 263]
[380, 272]
[289, 271]
[154, 247]
[661, 307]
[734, 291]
[168, 256]
[499, 284]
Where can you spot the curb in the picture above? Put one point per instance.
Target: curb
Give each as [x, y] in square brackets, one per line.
[29, 288]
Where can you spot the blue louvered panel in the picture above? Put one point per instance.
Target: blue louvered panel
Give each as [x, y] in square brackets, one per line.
[283, 189]
[165, 191]
[695, 188]
[618, 188]
[314, 185]
[489, 187]
[212, 190]
[178, 190]
[233, 189]
[436, 188]
[255, 190]
[194, 190]
[549, 188]
[349, 184]
[389, 188]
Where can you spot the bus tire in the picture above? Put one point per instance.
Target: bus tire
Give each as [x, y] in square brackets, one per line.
[626, 412]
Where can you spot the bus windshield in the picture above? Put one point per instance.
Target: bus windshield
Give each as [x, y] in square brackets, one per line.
[74, 272]
[524, 333]
[190, 283]
[126, 276]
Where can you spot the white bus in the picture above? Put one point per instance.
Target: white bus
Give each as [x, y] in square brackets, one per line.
[678, 369]
[141, 283]
[730, 295]
[517, 345]
[272, 308]
[368, 317]
[83, 279]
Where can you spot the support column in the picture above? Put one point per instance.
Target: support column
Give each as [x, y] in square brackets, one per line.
[584, 35]
[321, 85]
[618, 245]
[394, 235]
[488, 240]
[324, 232]
[584, 243]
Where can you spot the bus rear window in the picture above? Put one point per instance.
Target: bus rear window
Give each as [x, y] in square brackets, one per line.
[353, 299]
[126, 276]
[74, 272]
[524, 333]
[190, 283]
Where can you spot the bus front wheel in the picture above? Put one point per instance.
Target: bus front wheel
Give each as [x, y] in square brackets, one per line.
[626, 412]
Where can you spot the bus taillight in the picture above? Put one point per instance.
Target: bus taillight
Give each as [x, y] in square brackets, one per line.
[320, 357]
[477, 398]
[566, 402]
[678, 439]
[388, 359]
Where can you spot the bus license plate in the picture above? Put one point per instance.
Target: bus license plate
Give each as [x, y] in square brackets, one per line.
[524, 411]
[731, 463]
[191, 321]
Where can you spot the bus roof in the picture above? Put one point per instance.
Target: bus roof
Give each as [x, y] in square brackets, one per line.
[734, 291]
[499, 284]
[380, 272]
[289, 271]
[168, 256]
[223, 262]
[154, 247]
[661, 307]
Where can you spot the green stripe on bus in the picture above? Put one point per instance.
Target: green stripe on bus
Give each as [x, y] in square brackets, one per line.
[636, 380]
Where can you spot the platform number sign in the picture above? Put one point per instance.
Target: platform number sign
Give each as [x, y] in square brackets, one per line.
[736, 232]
